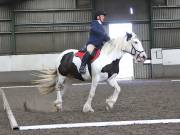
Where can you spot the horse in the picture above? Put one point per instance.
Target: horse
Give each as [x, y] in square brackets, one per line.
[105, 68]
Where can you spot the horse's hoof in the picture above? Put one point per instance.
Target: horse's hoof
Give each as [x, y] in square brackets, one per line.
[109, 105]
[57, 109]
[90, 111]
[87, 109]
[107, 108]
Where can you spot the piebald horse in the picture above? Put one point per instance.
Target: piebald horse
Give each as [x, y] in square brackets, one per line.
[104, 68]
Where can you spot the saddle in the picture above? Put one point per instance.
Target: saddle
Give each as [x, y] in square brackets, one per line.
[94, 55]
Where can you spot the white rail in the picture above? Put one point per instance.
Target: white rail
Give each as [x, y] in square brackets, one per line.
[12, 120]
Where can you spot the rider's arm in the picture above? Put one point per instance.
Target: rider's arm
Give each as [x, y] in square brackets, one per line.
[106, 38]
[95, 29]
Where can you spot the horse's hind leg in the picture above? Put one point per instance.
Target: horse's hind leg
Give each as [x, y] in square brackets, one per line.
[113, 98]
[59, 93]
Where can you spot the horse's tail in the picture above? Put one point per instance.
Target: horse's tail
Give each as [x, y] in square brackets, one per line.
[47, 82]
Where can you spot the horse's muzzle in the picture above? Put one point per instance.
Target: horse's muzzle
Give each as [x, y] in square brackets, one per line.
[141, 57]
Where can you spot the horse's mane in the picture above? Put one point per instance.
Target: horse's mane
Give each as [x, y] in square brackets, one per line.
[113, 44]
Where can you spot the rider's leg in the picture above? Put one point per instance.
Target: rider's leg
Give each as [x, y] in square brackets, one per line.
[90, 48]
[86, 57]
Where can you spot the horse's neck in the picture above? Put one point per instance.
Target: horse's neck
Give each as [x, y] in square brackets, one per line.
[113, 48]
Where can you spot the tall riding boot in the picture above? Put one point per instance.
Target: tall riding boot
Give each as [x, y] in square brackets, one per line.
[85, 60]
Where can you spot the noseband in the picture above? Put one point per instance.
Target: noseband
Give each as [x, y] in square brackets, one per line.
[134, 51]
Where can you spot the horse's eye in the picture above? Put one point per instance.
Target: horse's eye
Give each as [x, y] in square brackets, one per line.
[135, 42]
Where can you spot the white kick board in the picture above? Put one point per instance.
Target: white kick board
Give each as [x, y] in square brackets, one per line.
[171, 57]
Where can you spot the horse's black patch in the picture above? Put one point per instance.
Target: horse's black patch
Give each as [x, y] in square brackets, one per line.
[67, 67]
[129, 36]
[111, 68]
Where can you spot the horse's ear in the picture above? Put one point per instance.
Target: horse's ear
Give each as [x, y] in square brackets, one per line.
[129, 36]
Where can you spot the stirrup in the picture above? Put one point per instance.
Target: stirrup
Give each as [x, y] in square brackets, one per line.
[82, 69]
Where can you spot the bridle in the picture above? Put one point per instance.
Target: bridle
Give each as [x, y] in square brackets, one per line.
[134, 51]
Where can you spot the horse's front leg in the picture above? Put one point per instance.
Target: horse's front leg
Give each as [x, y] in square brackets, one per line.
[87, 106]
[113, 98]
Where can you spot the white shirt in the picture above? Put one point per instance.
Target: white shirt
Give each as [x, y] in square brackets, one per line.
[99, 21]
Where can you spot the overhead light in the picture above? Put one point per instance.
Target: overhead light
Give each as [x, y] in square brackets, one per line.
[131, 11]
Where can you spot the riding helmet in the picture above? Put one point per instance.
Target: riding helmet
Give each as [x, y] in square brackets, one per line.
[98, 13]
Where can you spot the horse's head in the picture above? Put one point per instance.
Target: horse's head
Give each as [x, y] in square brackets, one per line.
[134, 47]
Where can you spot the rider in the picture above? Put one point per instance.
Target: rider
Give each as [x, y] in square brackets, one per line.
[96, 39]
